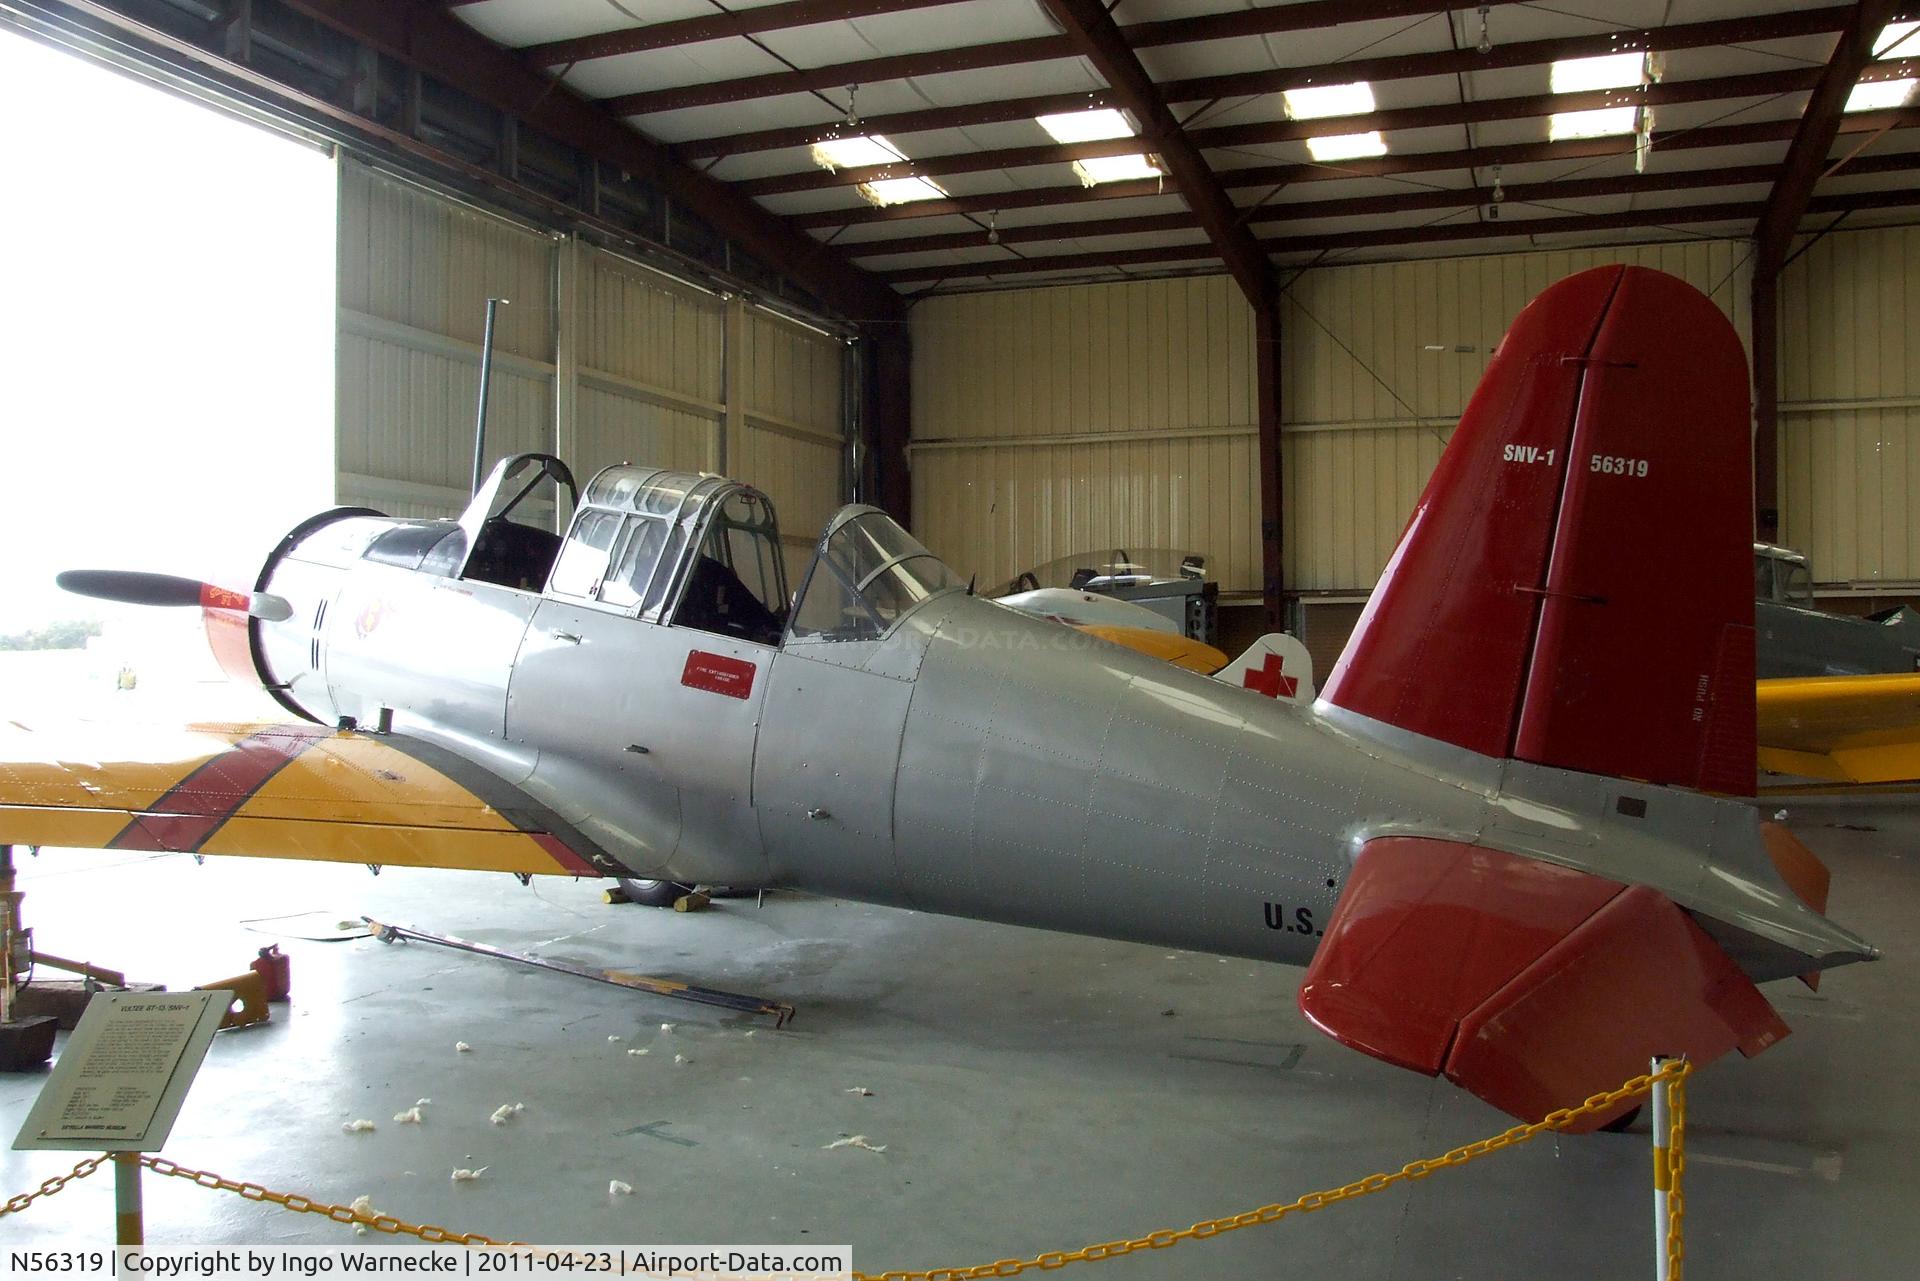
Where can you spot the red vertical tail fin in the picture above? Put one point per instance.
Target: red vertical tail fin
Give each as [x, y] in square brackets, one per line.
[1572, 588]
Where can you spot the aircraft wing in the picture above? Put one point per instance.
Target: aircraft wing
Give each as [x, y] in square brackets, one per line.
[1841, 729]
[276, 791]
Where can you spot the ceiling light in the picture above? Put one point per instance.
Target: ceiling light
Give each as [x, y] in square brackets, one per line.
[1114, 169]
[1880, 95]
[1591, 124]
[1347, 146]
[855, 153]
[1894, 42]
[1085, 126]
[1329, 100]
[1486, 38]
[1608, 71]
[900, 191]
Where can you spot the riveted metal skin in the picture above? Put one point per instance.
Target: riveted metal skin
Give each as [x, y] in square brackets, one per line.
[885, 735]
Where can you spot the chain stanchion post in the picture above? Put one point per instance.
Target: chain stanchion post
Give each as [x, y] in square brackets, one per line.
[1662, 1169]
[129, 1225]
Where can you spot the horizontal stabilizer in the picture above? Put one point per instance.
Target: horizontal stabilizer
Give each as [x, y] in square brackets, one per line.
[1530, 985]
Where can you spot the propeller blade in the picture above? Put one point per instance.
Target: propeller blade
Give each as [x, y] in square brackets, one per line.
[129, 587]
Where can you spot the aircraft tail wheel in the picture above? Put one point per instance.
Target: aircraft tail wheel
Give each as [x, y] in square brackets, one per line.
[653, 893]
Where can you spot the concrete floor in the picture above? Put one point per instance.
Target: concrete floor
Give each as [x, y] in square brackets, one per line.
[1032, 1091]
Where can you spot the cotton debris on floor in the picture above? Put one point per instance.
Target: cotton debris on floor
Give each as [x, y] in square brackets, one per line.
[679, 1058]
[860, 1090]
[616, 1188]
[668, 1027]
[362, 1126]
[363, 1206]
[612, 1039]
[461, 1047]
[506, 1112]
[410, 1117]
[468, 1176]
[854, 1141]
[639, 1052]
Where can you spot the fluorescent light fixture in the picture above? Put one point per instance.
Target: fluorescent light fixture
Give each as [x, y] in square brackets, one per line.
[1591, 124]
[1893, 41]
[1608, 71]
[1880, 95]
[1114, 169]
[1329, 100]
[900, 191]
[855, 153]
[1085, 126]
[1347, 146]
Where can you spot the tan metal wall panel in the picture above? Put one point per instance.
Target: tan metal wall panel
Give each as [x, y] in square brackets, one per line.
[1850, 406]
[415, 270]
[616, 428]
[639, 325]
[1052, 421]
[788, 437]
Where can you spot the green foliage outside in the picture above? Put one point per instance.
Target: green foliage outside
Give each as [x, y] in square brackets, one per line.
[71, 634]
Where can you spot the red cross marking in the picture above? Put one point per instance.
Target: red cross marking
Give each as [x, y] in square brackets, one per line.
[1270, 679]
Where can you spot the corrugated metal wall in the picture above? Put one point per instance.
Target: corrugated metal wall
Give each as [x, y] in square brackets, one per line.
[651, 368]
[415, 272]
[1850, 407]
[1050, 421]
[596, 358]
[789, 438]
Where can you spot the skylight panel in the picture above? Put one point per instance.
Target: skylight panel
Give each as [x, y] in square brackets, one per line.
[1114, 169]
[1880, 95]
[1347, 146]
[900, 191]
[1086, 126]
[1608, 71]
[855, 153]
[1591, 124]
[1894, 41]
[1329, 100]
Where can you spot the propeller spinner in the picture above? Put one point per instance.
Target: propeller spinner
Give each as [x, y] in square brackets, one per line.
[132, 588]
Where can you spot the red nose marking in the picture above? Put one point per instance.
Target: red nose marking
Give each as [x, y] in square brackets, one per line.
[1270, 679]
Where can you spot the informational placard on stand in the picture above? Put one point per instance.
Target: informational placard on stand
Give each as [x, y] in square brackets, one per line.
[120, 1081]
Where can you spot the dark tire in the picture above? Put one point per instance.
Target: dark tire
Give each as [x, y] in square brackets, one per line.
[653, 893]
[1622, 1123]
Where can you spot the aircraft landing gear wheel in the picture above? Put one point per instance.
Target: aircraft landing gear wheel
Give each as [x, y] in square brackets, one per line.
[653, 893]
[1620, 1124]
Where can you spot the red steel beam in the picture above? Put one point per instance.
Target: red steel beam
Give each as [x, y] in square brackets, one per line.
[1807, 156]
[1095, 35]
[432, 41]
[1760, 85]
[712, 26]
[1524, 53]
[1234, 24]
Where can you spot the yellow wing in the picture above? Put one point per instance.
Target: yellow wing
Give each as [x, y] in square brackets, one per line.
[1843, 729]
[1167, 646]
[276, 791]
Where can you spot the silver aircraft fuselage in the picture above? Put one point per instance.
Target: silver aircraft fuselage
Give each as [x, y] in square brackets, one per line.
[974, 761]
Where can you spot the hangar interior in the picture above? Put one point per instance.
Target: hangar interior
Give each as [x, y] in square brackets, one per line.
[1036, 278]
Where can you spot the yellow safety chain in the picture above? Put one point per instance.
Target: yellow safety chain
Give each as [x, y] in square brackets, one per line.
[15, 1204]
[1674, 1072]
[338, 1213]
[1676, 1163]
